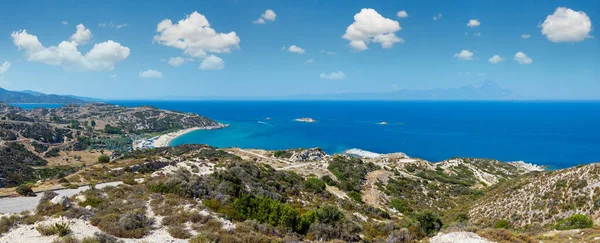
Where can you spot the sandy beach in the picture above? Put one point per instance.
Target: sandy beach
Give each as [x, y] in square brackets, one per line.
[165, 140]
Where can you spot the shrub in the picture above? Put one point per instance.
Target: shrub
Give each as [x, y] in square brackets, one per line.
[355, 196]
[62, 229]
[48, 195]
[178, 232]
[328, 214]
[6, 223]
[328, 180]
[314, 185]
[103, 159]
[100, 237]
[576, 221]
[400, 205]
[429, 222]
[94, 202]
[54, 152]
[24, 190]
[66, 239]
[45, 230]
[502, 224]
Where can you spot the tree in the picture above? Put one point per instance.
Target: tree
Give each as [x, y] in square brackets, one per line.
[103, 159]
[93, 123]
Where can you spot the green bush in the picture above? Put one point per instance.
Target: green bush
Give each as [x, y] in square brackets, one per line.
[429, 222]
[314, 185]
[355, 196]
[25, 190]
[328, 180]
[94, 202]
[502, 224]
[576, 221]
[400, 205]
[103, 159]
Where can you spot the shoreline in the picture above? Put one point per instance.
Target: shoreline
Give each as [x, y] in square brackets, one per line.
[166, 139]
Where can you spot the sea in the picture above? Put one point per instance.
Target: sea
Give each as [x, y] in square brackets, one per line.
[556, 134]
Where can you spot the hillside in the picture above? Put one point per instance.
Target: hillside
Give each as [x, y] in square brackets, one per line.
[207, 194]
[7, 96]
[71, 136]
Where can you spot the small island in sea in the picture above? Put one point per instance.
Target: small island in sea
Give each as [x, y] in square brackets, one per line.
[305, 119]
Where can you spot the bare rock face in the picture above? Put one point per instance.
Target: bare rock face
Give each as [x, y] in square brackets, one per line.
[61, 200]
[313, 154]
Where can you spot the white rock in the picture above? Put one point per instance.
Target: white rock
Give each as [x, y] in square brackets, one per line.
[60, 200]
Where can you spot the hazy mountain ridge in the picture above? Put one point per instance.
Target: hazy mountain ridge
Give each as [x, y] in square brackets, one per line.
[28, 96]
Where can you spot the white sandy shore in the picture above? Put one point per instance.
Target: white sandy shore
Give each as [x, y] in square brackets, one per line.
[165, 140]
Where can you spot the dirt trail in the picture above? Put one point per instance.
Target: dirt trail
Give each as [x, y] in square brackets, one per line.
[370, 194]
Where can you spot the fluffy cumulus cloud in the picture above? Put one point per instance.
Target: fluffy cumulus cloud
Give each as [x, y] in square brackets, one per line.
[4, 67]
[102, 57]
[268, 15]
[465, 55]
[150, 74]
[473, 23]
[525, 36]
[333, 76]
[370, 26]
[567, 25]
[296, 49]
[195, 37]
[521, 58]
[212, 62]
[495, 59]
[176, 61]
[402, 14]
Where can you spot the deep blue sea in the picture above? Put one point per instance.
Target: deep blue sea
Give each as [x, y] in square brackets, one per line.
[555, 134]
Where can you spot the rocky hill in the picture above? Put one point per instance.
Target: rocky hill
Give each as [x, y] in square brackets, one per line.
[68, 137]
[205, 194]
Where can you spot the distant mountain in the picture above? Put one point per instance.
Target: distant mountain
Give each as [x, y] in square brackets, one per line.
[83, 98]
[486, 90]
[28, 96]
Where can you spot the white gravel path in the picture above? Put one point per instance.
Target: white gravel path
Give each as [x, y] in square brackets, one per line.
[20, 204]
[459, 237]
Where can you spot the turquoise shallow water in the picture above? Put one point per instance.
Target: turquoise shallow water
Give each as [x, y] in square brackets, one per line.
[555, 134]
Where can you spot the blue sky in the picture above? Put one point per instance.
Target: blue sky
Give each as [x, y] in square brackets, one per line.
[564, 54]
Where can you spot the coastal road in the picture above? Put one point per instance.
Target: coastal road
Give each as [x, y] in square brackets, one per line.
[20, 204]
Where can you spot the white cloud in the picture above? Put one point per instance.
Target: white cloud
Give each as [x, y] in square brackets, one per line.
[521, 58]
[176, 61]
[4, 67]
[111, 25]
[370, 26]
[64, 22]
[525, 36]
[82, 35]
[150, 74]
[113, 76]
[296, 49]
[567, 25]
[402, 14]
[120, 26]
[477, 34]
[473, 23]
[195, 37]
[268, 15]
[333, 76]
[495, 59]
[102, 57]
[212, 62]
[309, 61]
[464, 55]
[437, 17]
